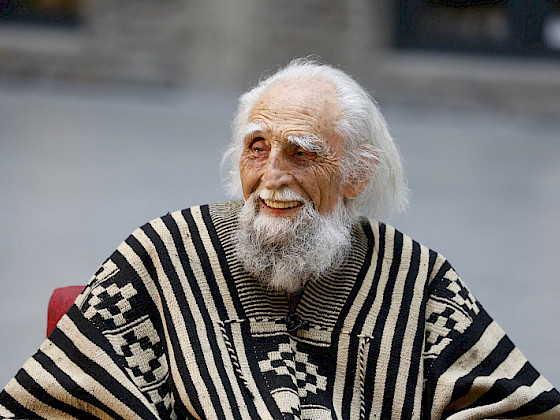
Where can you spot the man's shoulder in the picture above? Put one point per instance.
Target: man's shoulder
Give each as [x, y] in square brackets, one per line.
[153, 248]
[393, 243]
[220, 209]
[217, 212]
[160, 232]
[386, 234]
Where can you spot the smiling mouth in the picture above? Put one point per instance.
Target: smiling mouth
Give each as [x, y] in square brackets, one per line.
[281, 204]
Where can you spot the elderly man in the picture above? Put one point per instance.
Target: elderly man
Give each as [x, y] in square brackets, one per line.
[287, 304]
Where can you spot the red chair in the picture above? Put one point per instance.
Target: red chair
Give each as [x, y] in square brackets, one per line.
[61, 300]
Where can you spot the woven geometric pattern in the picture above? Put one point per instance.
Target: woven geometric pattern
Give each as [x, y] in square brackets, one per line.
[443, 325]
[142, 350]
[450, 310]
[280, 361]
[308, 380]
[107, 270]
[453, 289]
[296, 366]
[163, 400]
[109, 304]
[288, 402]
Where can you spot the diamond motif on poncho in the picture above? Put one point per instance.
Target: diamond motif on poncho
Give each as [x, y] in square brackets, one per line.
[110, 303]
[296, 366]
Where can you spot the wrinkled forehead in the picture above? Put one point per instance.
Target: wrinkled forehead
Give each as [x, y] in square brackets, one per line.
[298, 103]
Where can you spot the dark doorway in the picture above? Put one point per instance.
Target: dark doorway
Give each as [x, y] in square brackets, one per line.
[50, 12]
[529, 27]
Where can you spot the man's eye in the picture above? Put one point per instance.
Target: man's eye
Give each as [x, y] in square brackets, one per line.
[258, 145]
[304, 154]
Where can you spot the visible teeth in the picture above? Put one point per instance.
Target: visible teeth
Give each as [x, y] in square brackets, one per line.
[281, 204]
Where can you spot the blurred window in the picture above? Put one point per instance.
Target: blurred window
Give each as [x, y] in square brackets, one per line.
[55, 12]
[480, 26]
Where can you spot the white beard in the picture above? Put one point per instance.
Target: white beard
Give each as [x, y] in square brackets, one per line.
[285, 253]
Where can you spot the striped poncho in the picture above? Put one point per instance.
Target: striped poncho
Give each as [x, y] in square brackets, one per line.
[172, 326]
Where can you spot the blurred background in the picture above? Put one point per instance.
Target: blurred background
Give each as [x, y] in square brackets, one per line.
[114, 113]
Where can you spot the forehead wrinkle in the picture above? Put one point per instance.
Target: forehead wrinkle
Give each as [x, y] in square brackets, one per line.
[301, 133]
[299, 117]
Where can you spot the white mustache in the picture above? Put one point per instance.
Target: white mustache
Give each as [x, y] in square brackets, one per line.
[283, 194]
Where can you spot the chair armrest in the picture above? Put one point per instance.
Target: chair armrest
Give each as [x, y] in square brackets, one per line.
[61, 300]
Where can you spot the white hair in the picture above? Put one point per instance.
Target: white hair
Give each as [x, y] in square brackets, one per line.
[361, 125]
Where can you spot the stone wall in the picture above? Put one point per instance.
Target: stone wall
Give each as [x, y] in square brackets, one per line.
[124, 41]
[181, 42]
[217, 44]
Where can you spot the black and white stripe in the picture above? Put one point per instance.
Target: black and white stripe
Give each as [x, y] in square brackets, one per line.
[172, 326]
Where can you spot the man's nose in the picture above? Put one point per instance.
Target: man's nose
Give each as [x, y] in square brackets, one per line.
[277, 173]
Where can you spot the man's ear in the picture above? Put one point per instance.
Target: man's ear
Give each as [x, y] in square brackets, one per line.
[363, 169]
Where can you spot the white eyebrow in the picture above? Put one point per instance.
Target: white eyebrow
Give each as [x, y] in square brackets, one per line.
[250, 129]
[312, 144]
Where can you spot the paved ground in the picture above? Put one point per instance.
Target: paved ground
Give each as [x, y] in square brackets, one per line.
[80, 170]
